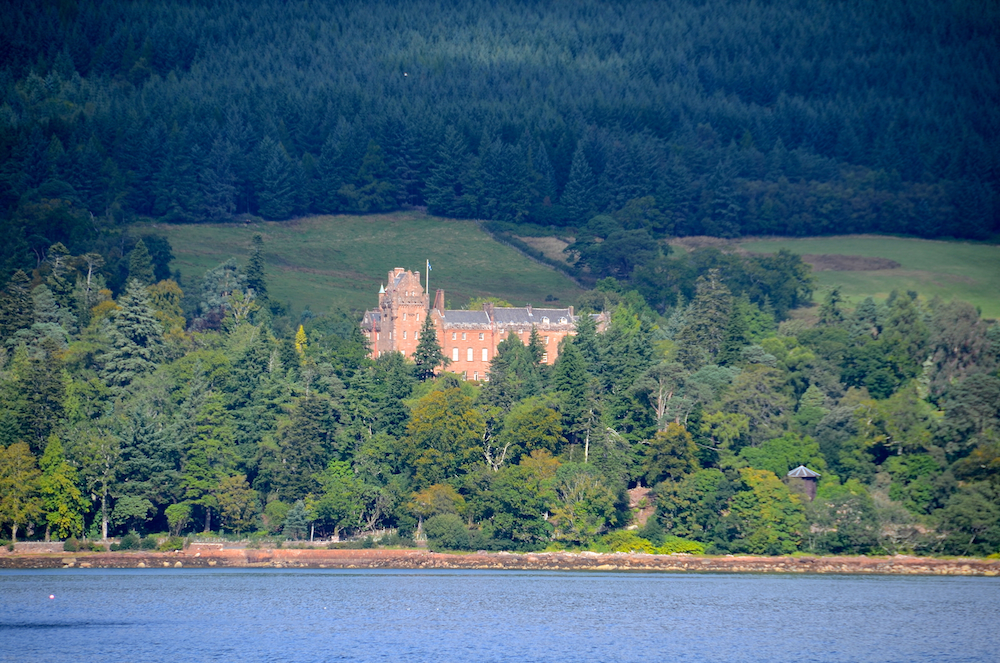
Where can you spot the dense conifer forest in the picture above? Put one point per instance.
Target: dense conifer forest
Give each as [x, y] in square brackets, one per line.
[134, 401]
[723, 118]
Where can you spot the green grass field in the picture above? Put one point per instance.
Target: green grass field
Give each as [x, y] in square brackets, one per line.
[326, 262]
[950, 270]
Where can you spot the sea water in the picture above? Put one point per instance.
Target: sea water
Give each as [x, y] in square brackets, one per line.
[246, 615]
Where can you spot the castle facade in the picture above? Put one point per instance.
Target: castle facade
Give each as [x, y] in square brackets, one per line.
[468, 338]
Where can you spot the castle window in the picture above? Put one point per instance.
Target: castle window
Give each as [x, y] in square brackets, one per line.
[404, 316]
[545, 321]
[468, 355]
[454, 354]
[454, 335]
[416, 335]
[377, 336]
[545, 357]
[486, 354]
[463, 336]
[546, 338]
[475, 376]
[481, 336]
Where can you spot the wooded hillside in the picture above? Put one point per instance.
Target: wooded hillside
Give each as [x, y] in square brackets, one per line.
[724, 118]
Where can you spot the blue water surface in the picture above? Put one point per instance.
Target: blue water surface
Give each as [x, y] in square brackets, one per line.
[247, 615]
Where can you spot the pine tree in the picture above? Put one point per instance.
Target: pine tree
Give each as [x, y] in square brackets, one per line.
[59, 280]
[701, 338]
[535, 347]
[17, 309]
[208, 453]
[296, 522]
[304, 447]
[45, 394]
[737, 336]
[571, 382]
[255, 278]
[428, 355]
[450, 190]
[63, 503]
[218, 183]
[578, 197]
[140, 264]
[373, 189]
[136, 338]
[829, 312]
[277, 187]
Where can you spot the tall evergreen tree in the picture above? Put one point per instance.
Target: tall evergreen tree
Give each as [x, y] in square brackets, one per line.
[17, 308]
[428, 355]
[255, 278]
[579, 194]
[140, 264]
[45, 393]
[450, 189]
[277, 186]
[217, 183]
[136, 338]
[701, 338]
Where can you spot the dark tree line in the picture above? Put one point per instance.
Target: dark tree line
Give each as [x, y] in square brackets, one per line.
[722, 119]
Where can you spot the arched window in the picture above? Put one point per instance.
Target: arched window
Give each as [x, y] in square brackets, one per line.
[468, 355]
[486, 354]
[454, 354]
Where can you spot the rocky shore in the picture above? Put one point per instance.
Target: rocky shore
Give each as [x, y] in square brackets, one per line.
[215, 555]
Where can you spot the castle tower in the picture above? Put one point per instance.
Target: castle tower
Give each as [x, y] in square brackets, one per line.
[395, 325]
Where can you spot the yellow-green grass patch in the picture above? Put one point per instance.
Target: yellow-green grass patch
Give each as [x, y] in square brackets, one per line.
[950, 270]
[326, 262]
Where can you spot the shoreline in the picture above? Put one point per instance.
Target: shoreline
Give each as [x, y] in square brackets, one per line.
[215, 556]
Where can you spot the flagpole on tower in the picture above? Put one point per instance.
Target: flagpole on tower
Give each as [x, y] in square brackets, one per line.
[427, 282]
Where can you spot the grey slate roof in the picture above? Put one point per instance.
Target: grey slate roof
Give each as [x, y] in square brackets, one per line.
[521, 316]
[803, 472]
[466, 318]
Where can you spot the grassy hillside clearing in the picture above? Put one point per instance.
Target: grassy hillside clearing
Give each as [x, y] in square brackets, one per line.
[340, 261]
[863, 265]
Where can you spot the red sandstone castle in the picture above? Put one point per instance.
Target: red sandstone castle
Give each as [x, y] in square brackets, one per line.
[468, 338]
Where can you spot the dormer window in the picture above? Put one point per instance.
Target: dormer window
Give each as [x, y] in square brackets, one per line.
[545, 321]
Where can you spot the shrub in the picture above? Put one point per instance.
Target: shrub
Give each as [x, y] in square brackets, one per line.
[149, 543]
[675, 544]
[128, 542]
[71, 544]
[395, 539]
[7, 543]
[446, 532]
[96, 546]
[171, 543]
[626, 541]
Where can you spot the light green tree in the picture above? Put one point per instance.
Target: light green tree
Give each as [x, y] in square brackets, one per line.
[238, 503]
[63, 503]
[20, 501]
[768, 519]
